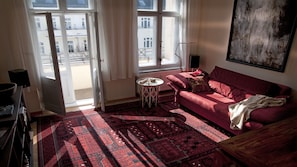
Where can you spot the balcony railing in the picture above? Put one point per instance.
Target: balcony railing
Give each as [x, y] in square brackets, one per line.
[76, 58]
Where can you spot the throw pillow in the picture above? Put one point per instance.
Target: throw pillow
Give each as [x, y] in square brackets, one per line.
[196, 73]
[228, 91]
[221, 88]
[199, 84]
[180, 79]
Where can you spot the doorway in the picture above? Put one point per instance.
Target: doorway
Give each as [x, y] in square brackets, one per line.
[71, 47]
[76, 74]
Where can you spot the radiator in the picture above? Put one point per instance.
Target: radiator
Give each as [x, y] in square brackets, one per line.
[159, 74]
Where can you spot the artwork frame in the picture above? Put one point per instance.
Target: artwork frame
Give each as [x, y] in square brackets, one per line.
[262, 33]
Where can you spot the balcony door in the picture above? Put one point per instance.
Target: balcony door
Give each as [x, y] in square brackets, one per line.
[49, 67]
[72, 45]
[69, 63]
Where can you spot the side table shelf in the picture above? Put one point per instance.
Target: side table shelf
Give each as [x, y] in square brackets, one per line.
[15, 143]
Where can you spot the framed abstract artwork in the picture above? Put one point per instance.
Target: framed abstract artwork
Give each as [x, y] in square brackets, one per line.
[262, 33]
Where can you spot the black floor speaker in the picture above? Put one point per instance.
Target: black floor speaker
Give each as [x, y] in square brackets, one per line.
[20, 77]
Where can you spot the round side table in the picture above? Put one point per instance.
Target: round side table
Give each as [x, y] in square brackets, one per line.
[149, 90]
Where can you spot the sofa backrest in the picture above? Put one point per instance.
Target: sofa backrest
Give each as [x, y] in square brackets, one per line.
[247, 83]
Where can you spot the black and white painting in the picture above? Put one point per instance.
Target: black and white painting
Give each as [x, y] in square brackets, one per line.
[262, 32]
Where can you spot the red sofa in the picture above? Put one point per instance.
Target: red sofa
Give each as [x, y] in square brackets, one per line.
[223, 87]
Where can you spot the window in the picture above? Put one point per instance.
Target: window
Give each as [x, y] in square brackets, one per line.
[148, 42]
[158, 33]
[41, 4]
[38, 23]
[42, 48]
[85, 45]
[146, 5]
[145, 22]
[83, 23]
[54, 23]
[77, 4]
[68, 23]
[60, 4]
[70, 46]
[57, 47]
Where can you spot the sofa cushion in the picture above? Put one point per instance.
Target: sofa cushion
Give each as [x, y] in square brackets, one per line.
[212, 101]
[221, 88]
[244, 82]
[239, 95]
[180, 79]
[228, 91]
[199, 84]
[272, 114]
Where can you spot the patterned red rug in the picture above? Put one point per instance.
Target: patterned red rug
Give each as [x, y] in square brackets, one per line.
[162, 136]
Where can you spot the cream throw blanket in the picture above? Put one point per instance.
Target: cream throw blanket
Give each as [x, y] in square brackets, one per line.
[240, 112]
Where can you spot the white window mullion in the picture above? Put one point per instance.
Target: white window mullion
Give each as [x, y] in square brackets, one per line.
[159, 36]
[62, 5]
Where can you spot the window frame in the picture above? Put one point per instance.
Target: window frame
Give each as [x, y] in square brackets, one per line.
[159, 13]
[62, 7]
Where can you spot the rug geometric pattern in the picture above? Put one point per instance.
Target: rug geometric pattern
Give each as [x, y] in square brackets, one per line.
[162, 136]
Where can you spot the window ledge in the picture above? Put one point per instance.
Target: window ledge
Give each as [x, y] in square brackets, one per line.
[158, 70]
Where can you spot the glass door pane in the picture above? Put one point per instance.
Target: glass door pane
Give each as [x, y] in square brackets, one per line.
[147, 36]
[171, 5]
[45, 53]
[63, 58]
[169, 27]
[72, 51]
[78, 56]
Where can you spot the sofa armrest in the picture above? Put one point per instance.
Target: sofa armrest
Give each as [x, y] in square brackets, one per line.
[180, 80]
[175, 88]
[273, 114]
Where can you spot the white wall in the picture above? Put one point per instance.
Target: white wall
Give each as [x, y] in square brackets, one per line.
[15, 48]
[6, 49]
[119, 89]
[213, 37]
